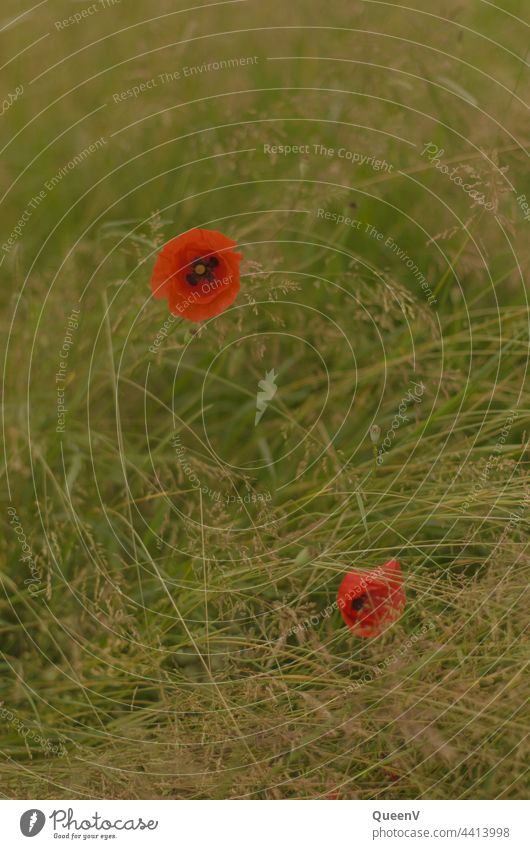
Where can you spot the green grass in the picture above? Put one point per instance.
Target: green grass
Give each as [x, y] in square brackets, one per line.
[158, 649]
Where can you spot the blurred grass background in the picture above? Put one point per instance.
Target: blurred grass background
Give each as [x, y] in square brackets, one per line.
[158, 649]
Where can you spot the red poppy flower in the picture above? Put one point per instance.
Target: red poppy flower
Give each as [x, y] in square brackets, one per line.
[369, 601]
[198, 273]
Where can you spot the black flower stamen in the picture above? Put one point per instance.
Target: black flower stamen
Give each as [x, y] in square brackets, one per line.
[358, 603]
[202, 269]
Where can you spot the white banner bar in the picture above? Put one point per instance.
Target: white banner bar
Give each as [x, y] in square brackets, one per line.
[261, 825]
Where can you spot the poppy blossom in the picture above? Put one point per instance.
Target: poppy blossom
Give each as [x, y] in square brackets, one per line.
[369, 601]
[198, 273]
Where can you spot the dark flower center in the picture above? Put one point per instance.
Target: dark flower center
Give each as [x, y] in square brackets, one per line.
[358, 603]
[202, 269]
